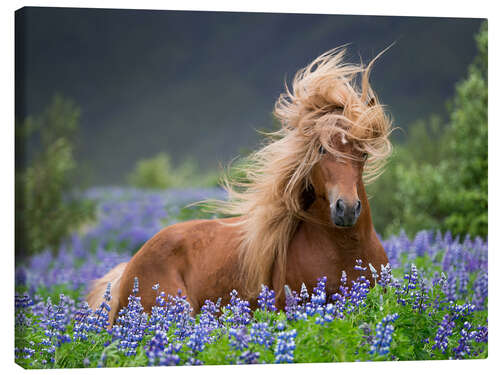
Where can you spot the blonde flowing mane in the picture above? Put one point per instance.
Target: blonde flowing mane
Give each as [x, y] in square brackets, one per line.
[325, 100]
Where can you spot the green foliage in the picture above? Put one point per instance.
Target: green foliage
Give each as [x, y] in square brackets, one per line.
[340, 340]
[158, 172]
[46, 211]
[468, 149]
[439, 177]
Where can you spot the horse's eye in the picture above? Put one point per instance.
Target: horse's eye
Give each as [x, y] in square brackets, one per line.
[364, 156]
[322, 150]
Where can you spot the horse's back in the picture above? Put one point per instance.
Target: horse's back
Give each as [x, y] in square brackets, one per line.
[195, 256]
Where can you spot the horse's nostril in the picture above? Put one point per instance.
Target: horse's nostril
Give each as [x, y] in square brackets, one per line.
[357, 208]
[339, 206]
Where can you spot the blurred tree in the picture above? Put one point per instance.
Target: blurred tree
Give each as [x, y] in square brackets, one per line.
[47, 209]
[153, 173]
[158, 172]
[466, 147]
[439, 177]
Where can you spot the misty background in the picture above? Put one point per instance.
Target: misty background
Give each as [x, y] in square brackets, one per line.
[199, 84]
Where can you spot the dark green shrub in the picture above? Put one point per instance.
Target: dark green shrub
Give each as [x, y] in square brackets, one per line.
[439, 177]
[158, 172]
[46, 207]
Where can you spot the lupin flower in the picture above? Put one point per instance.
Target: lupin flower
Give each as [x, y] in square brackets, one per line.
[420, 296]
[260, 333]
[248, 358]
[482, 334]
[285, 347]
[385, 275]
[359, 265]
[102, 313]
[24, 353]
[339, 301]
[54, 328]
[293, 308]
[22, 303]
[237, 312]
[161, 352]
[239, 338]
[383, 335]
[421, 243]
[467, 335]
[197, 339]
[318, 300]
[266, 299]
[179, 312]
[304, 295]
[82, 322]
[445, 330]
[405, 292]
[131, 323]
[481, 290]
[358, 292]
[208, 316]
[159, 318]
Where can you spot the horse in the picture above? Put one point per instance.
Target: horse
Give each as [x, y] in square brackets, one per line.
[300, 213]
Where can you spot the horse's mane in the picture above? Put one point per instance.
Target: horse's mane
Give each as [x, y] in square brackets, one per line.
[325, 100]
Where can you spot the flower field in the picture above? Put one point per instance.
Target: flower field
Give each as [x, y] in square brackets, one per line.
[429, 302]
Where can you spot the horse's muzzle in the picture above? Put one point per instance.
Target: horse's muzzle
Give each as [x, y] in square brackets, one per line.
[343, 214]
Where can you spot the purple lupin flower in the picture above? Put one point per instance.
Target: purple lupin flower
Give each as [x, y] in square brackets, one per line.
[467, 335]
[102, 313]
[420, 296]
[161, 352]
[481, 290]
[359, 265]
[239, 338]
[421, 243]
[292, 306]
[54, 328]
[82, 324]
[248, 358]
[316, 305]
[266, 299]
[482, 334]
[358, 292]
[260, 333]
[22, 303]
[304, 295]
[406, 291]
[237, 312]
[444, 331]
[383, 335]
[179, 312]
[385, 275]
[285, 347]
[208, 316]
[131, 323]
[339, 299]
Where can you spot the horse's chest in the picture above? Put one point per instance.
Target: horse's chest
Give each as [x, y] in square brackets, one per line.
[308, 261]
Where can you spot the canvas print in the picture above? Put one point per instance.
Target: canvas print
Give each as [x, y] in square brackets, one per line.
[197, 188]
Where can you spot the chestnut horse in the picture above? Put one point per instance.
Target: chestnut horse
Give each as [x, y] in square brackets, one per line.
[301, 213]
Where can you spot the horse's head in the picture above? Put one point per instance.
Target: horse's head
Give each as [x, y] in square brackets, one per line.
[337, 177]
